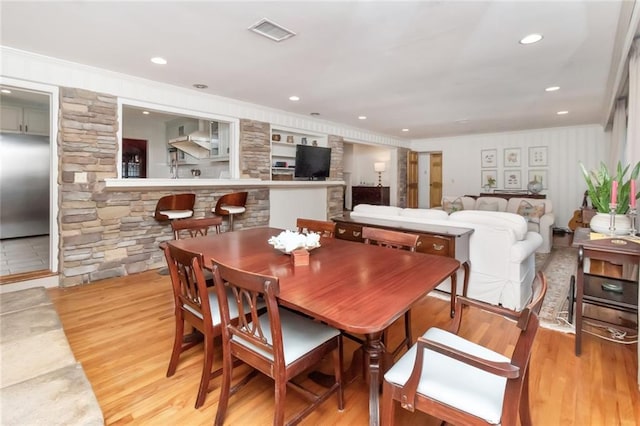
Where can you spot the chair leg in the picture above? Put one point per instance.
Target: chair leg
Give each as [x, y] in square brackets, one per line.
[388, 405]
[230, 222]
[407, 329]
[525, 412]
[225, 386]
[280, 397]
[206, 371]
[337, 368]
[177, 345]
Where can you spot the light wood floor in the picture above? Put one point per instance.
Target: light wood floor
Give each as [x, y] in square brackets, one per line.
[121, 331]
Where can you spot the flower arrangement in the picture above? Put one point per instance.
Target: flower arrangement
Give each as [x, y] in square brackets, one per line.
[604, 188]
[288, 241]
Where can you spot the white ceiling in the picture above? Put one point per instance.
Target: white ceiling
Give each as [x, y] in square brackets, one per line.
[422, 65]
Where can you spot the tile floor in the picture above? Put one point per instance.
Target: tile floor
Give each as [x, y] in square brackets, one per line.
[20, 255]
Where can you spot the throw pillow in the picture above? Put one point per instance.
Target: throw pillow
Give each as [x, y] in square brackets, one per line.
[532, 213]
[452, 206]
[489, 206]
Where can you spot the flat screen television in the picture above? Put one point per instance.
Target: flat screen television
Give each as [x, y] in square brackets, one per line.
[312, 162]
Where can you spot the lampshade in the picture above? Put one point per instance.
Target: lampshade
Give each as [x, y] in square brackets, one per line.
[378, 167]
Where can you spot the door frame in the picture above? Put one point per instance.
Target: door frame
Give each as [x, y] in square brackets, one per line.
[53, 92]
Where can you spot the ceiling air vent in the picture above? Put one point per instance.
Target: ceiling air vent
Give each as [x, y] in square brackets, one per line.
[271, 30]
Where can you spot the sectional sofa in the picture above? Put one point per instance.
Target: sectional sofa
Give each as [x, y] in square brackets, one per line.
[537, 212]
[501, 248]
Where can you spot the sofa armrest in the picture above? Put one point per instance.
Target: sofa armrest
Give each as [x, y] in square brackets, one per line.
[525, 248]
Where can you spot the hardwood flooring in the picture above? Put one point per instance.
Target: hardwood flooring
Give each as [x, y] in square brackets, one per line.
[121, 330]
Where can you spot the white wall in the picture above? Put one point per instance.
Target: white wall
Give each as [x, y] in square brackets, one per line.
[567, 146]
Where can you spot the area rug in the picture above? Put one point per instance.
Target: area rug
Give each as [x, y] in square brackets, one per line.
[558, 266]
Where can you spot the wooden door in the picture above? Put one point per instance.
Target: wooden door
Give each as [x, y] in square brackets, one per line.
[412, 179]
[435, 179]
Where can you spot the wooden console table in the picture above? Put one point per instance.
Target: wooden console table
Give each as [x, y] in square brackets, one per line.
[439, 240]
[508, 195]
[613, 293]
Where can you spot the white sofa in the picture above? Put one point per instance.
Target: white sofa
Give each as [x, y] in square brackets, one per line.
[543, 224]
[501, 249]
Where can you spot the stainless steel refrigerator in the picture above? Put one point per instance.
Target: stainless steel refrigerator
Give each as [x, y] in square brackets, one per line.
[24, 185]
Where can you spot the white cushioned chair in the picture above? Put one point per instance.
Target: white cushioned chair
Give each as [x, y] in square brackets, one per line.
[462, 382]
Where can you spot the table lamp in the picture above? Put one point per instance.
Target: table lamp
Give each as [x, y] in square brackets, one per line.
[379, 167]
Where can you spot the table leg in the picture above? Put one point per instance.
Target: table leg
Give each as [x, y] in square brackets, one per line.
[454, 290]
[373, 350]
[578, 308]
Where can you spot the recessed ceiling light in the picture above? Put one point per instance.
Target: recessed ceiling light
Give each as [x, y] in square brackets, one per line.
[159, 61]
[552, 89]
[362, 117]
[405, 130]
[145, 112]
[200, 86]
[315, 114]
[531, 38]
[7, 91]
[562, 112]
[294, 98]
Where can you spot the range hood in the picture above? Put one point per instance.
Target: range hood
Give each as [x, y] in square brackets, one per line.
[197, 144]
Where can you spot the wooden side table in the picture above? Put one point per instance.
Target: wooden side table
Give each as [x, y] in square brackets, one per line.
[620, 294]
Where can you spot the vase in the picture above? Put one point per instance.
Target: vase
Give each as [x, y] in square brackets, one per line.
[601, 221]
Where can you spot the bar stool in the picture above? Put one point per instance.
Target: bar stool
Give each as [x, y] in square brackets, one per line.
[230, 205]
[176, 206]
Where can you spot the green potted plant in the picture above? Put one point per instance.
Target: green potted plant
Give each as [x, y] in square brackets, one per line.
[599, 183]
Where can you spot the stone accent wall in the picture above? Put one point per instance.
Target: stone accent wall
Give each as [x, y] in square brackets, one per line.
[403, 155]
[335, 194]
[255, 149]
[107, 234]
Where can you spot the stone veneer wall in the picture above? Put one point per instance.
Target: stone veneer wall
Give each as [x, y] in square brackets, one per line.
[255, 149]
[335, 195]
[111, 233]
[403, 155]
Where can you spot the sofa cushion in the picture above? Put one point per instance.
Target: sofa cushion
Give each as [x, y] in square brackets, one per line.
[425, 214]
[530, 212]
[467, 202]
[378, 210]
[511, 221]
[487, 205]
[452, 206]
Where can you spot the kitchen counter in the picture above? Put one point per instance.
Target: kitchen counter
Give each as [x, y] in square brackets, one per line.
[142, 184]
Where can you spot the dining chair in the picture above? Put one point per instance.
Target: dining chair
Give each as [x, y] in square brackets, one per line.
[462, 382]
[395, 240]
[279, 343]
[195, 227]
[175, 206]
[197, 305]
[325, 228]
[231, 205]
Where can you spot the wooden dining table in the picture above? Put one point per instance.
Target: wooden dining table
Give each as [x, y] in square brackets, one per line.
[355, 287]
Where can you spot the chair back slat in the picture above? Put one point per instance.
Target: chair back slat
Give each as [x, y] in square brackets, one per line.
[189, 284]
[195, 227]
[324, 228]
[389, 238]
[248, 288]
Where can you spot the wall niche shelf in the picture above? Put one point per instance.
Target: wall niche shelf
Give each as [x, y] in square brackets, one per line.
[283, 150]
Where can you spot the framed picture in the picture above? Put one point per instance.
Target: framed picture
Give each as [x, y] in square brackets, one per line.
[512, 179]
[489, 158]
[512, 157]
[489, 179]
[537, 156]
[540, 176]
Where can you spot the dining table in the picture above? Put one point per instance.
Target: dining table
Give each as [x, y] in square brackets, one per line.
[355, 287]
